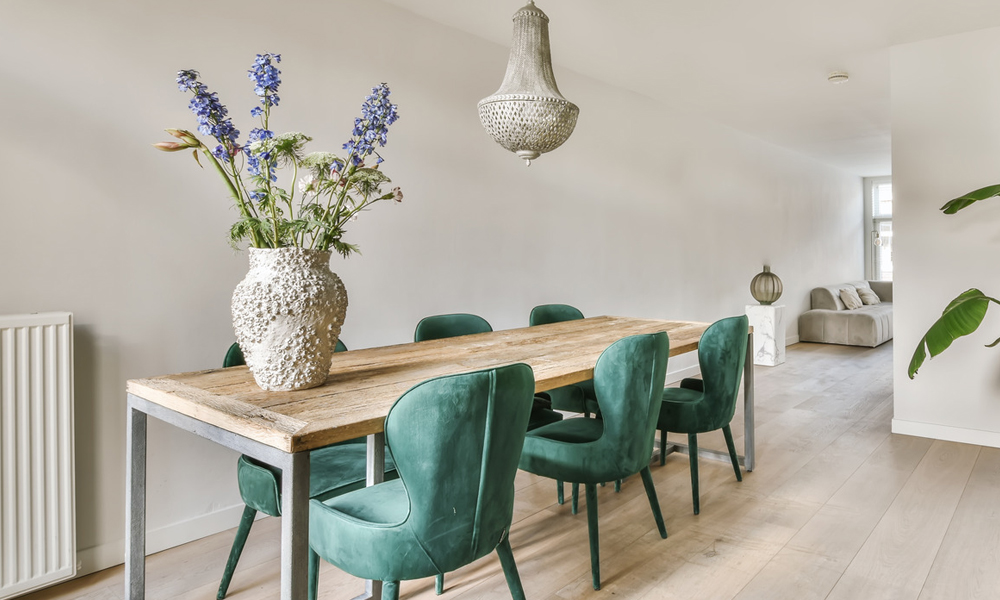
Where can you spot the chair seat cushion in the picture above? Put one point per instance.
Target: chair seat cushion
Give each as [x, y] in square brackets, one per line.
[553, 451]
[367, 534]
[541, 416]
[385, 504]
[683, 411]
[574, 431]
[333, 470]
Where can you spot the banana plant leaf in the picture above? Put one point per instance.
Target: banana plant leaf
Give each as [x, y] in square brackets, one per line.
[960, 318]
[953, 206]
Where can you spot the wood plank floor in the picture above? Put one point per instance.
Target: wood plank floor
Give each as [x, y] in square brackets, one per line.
[838, 508]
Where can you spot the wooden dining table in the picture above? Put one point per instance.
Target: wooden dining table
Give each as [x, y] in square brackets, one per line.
[280, 428]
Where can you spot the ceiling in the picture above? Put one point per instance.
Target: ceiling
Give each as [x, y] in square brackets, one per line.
[758, 66]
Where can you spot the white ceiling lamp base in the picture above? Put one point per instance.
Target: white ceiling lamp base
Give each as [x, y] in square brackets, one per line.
[837, 77]
[528, 115]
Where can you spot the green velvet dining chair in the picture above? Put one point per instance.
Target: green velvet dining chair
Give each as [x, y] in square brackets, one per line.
[333, 470]
[577, 397]
[445, 326]
[707, 404]
[456, 441]
[628, 380]
[438, 327]
[570, 398]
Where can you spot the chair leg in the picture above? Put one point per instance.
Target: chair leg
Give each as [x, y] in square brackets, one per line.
[693, 455]
[647, 482]
[439, 584]
[618, 485]
[313, 574]
[559, 492]
[663, 447]
[595, 546]
[576, 497]
[732, 452]
[390, 590]
[234, 555]
[510, 569]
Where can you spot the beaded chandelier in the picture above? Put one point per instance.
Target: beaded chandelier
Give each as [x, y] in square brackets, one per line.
[528, 115]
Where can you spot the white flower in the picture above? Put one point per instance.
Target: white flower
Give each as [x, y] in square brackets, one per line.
[397, 194]
[306, 184]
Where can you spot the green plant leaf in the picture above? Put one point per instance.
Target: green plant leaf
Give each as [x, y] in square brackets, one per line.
[344, 249]
[958, 204]
[962, 316]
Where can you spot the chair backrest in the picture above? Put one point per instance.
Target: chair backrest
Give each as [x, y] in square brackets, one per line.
[544, 314]
[456, 441]
[628, 379]
[721, 354]
[446, 326]
[234, 356]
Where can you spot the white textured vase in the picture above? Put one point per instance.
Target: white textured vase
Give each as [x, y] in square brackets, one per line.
[287, 313]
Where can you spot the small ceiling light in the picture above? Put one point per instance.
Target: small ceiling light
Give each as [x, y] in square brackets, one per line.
[837, 77]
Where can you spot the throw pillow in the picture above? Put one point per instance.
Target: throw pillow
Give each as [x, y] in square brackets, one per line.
[868, 296]
[850, 298]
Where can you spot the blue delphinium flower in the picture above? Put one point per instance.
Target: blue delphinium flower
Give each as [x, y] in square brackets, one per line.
[377, 113]
[211, 114]
[266, 78]
[253, 158]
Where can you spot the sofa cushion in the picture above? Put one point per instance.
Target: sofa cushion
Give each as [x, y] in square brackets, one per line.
[866, 326]
[868, 296]
[849, 296]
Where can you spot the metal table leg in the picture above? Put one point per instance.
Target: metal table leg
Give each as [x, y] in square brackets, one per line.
[375, 473]
[748, 427]
[294, 490]
[295, 526]
[135, 499]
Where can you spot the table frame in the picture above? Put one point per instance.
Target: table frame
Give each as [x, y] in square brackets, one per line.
[294, 486]
[294, 493]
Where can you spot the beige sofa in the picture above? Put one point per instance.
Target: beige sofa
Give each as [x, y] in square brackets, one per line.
[830, 322]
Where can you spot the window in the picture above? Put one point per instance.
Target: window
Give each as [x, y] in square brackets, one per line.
[878, 215]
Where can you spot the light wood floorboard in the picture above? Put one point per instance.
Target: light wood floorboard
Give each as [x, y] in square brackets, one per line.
[838, 508]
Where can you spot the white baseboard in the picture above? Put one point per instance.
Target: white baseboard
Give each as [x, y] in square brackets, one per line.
[947, 433]
[675, 376]
[104, 556]
[791, 340]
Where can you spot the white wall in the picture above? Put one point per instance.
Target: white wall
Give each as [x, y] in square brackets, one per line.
[946, 142]
[642, 212]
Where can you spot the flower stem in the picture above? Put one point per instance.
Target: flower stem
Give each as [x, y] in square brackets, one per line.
[240, 203]
[267, 178]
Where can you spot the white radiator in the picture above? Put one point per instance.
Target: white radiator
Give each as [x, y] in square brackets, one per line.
[37, 512]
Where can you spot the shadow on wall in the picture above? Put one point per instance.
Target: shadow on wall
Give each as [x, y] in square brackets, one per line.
[94, 420]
